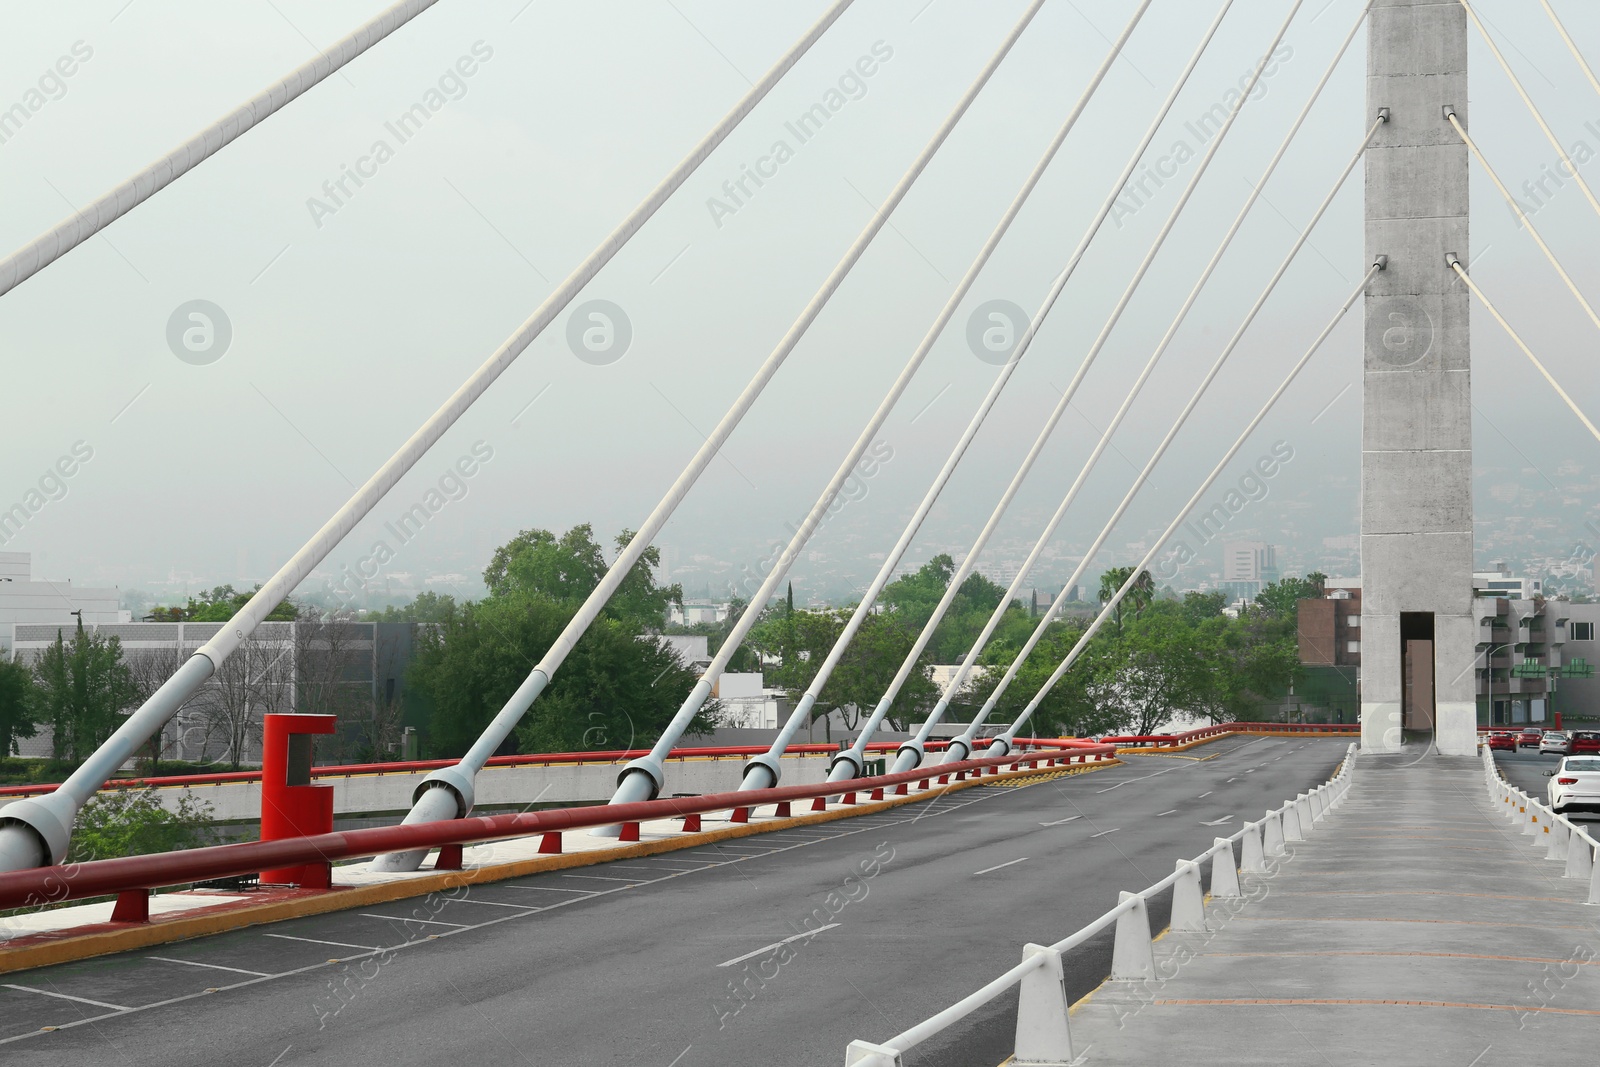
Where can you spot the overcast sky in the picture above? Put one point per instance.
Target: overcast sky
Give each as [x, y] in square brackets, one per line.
[353, 316]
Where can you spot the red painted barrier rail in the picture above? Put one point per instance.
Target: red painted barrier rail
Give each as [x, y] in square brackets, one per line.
[1189, 736]
[413, 766]
[94, 878]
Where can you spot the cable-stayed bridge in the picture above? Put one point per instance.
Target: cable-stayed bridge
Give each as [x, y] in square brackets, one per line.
[558, 871]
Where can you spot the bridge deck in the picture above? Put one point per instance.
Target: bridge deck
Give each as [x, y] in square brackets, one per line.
[1419, 926]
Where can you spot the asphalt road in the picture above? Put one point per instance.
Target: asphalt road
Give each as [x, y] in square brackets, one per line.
[675, 960]
[1525, 769]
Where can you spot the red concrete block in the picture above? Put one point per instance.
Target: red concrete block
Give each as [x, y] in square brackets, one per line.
[550, 844]
[630, 832]
[133, 906]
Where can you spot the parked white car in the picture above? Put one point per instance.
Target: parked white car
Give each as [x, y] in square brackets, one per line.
[1575, 784]
[1555, 741]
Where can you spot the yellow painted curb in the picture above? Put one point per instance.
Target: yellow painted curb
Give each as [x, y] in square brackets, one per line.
[164, 931]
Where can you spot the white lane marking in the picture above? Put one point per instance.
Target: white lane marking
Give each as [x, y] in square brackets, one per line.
[63, 996]
[1058, 822]
[406, 919]
[1217, 822]
[1103, 833]
[1011, 863]
[211, 966]
[933, 808]
[601, 878]
[549, 889]
[1174, 811]
[775, 944]
[1207, 793]
[685, 1052]
[1119, 785]
[314, 941]
[497, 903]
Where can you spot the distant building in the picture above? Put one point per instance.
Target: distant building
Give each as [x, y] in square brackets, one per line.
[691, 649]
[1524, 649]
[1329, 632]
[1501, 582]
[25, 601]
[347, 668]
[1247, 568]
[694, 612]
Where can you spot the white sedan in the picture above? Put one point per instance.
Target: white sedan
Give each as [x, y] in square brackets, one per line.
[1575, 784]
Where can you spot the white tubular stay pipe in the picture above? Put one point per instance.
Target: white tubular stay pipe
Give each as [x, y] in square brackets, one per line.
[767, 768]
[643, 778]
[1572, 46]
[964, 742]
[910, 754]
[1003, 742]
[844, 763]
[36, 832]
[71, 232]
[1516, 83]
[449, 793]
[1454, 264]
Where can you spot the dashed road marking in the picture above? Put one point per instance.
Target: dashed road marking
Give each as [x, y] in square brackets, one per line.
[996, 867]
[776, 944]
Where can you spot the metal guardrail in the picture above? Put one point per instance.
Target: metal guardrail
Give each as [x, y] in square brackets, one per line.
[1567, 842]
[1189, 737]
[351, 770]
[1042, 1033]
[135, 876]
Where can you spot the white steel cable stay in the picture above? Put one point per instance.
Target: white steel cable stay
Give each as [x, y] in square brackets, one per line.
[653, 762]
[1522, 217]
[1572, 46]
[848, 763]
[1024, 572]
[36, 831]
[71, 232]
[767, 768]
[1454, 263]
[449, 793]
[1003, 742]
[964, 742]
[1516, 83]
[965, 567]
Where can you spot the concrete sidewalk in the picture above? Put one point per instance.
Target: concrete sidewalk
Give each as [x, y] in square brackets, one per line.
[1415, 926]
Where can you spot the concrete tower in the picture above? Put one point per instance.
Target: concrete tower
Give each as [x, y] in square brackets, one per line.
[1417, 635]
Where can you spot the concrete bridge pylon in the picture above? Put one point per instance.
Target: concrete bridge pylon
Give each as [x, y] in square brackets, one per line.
[1418, 641]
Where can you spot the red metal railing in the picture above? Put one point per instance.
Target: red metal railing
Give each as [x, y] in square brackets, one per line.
[413, 766]
[95, 878]
[1190, 736]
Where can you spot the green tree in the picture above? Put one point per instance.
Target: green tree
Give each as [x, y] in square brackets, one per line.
[17, 716]
[1281, 598]
[618, 687]
[221, 604]
[427, 607]
[82, 689]
[133, 822]
[1137, 599]
[1197, 607]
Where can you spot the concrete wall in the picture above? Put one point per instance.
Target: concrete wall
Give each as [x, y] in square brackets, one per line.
[1416, 459]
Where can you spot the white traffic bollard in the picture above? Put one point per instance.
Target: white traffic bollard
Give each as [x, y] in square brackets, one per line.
[1224, 874]
[1302, 807]
[1272, 835]
[1132, 958]
[1043, 1037]
[866, 1054]
[1188, 898]
[1580, 859]
[1291, 823]
[1251, 861]
[1558, 840]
